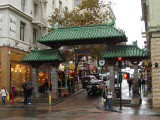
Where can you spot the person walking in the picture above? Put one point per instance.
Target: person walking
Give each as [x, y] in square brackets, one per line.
[129, 83]
[143, 85]
[109, 96]
[4, 94]
[104, 97]
[46, 86]
[140, 85]
[30, 94]
[25, 88]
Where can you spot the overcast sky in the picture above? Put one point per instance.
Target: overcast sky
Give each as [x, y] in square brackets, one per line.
[128, 17]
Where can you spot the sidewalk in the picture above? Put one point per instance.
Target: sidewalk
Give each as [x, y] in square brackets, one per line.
[145, 107]
[19, 102]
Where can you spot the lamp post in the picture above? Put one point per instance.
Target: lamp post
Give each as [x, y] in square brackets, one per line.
[66, 74]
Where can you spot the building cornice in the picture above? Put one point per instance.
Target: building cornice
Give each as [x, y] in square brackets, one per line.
[8, 6]
[23, 14]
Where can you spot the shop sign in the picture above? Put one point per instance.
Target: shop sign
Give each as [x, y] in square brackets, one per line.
[12, 27]
[1, 24]
[101, 62]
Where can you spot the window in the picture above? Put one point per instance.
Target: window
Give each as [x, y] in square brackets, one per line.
[53, 3]
[60, 5]
[22, 31]
[34, 35]
[66, 9]
[35, 11]
[22, 5]
[77, 2]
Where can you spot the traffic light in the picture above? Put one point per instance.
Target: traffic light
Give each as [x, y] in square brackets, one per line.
[126, 75]
[119, 62]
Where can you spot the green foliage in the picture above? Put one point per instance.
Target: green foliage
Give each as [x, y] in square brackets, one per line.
[89, 10]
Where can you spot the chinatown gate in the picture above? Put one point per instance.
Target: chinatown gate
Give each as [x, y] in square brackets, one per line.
[104, 33]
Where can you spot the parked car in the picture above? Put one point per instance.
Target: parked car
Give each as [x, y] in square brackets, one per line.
[87, 79]
[95, 87]
[96, 75]
[104, 77]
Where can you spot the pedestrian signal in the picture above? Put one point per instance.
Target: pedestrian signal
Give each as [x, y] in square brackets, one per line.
[126, 75]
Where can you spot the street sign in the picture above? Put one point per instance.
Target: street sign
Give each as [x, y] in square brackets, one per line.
[101, 62]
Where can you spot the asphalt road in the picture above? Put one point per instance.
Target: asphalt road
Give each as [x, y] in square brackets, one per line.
[79, 107]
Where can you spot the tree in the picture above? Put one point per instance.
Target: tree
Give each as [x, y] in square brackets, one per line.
[88, 11]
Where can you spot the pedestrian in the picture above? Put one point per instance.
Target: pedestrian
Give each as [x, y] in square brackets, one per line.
[109, 96]
[129, 83]
[143, 85]
[46, 86]
[140, 85]
[30, 94]
[104, 97]
[4, 94]
[25, 88]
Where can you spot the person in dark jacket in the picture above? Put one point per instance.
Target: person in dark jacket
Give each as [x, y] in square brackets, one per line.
[46, 86]
[29, 94]
[25, 88]
[129, 83]
[104, 97]
[140, 85]
[143, 85]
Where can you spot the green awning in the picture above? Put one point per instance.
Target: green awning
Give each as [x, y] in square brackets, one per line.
[84, 34]
[48, 55]
[124, 51]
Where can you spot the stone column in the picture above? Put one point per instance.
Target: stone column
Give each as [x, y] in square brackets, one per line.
[35, 91]
[155, 57]
[136, 82]
[112, 77]
[54, 80]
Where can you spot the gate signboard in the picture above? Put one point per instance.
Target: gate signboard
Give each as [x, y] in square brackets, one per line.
[82, 51]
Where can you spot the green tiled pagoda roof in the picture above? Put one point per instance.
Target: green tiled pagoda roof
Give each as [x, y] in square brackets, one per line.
[48, 55]
[124, 51]
[84, 34]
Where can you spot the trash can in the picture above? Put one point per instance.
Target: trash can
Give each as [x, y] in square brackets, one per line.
[118, 92]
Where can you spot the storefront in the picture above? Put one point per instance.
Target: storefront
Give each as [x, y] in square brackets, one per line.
[12, 71]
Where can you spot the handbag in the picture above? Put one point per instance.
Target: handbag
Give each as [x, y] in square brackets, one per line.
[7, 97]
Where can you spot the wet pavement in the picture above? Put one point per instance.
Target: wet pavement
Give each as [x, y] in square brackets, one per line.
[81, 107]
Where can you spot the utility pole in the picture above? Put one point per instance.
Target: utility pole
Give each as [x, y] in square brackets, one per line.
[120, 80]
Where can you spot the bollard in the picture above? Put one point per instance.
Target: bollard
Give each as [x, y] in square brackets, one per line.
[50, 99]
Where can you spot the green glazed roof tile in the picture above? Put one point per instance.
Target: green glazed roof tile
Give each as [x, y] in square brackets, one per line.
[125, 51]
[48, 55]
[84, 32]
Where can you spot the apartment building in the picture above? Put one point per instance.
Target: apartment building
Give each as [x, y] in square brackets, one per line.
[62, 5]
[151, 17]
[21, 23]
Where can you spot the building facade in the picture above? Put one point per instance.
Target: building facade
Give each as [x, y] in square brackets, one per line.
[62, 5]
[21, 23]
[151, 17]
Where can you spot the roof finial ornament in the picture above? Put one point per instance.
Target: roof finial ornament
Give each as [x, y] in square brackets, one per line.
[113, 21]
[53, 25]
[135, 43]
